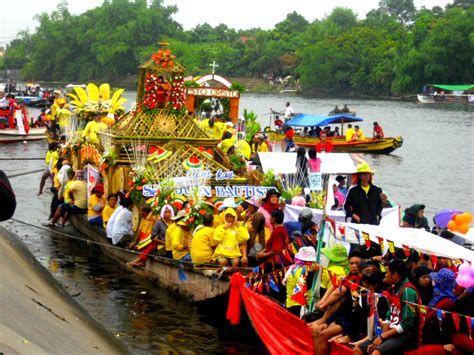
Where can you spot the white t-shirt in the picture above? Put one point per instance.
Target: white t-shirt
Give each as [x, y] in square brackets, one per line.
[120, 226]
[289, 112]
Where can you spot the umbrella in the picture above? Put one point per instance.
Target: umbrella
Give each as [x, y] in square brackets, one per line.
[442, 218]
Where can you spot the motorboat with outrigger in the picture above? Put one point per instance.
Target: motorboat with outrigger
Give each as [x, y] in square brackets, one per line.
[384, 145]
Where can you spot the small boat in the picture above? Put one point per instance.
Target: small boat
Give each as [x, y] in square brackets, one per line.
[200, 285]
[436, 93]
[384, 145]
[9, 135]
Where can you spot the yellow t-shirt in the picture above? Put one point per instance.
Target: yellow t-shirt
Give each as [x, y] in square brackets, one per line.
[202, 245]
[228, 241]
[63, 117]
[340, 271]
[361, 135]
[181, 241]
[67, 197]
[95, 203]
[107, 213]
[366, 189]
[349, 134]
[168, 236]
[79, 190]
[263, 147]
[146, 224]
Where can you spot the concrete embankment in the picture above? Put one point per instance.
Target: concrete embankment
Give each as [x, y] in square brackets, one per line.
[37, 316]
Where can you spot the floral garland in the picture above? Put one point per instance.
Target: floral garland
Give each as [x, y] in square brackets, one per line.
[151, 92]
[164, 195]
[178, 93]
[72, 147]
[107, 160]
[138, 177]
[195, 213]
[164, 58]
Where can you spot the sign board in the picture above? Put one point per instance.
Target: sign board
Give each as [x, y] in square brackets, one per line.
[315, 181]
[213, 92]
[220, 191]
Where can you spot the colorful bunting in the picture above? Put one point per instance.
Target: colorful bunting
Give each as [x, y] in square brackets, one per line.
[381, 243]
[366, 239]
[391, 246]
[300, 291]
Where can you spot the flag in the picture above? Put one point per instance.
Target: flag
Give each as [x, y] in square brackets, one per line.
[382, 244]
[391, 246]
[342, 230]
[470, 324]
[434, 261]
[367, 239]
[456, 320]
[273, 285]
[92, 179]
[357, 235]
[406, 249]
[299, 292]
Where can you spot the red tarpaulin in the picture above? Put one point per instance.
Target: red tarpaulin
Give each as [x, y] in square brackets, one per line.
[280, 331]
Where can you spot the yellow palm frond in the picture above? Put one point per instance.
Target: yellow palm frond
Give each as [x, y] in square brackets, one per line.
[76, 103]
[104, 91]
[93, 92]
[82, 95]
[116, 96]
[73, 97]
[119, 103]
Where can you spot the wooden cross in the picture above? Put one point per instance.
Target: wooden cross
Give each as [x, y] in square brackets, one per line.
[214, 65]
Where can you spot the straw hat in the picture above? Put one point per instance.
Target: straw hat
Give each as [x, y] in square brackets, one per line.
[229, 202]
[270, 192]
[364, 168]
[179, 215]
[306, 254]
[179, 201]
[193, 162]
[157, 154]
[206, 152]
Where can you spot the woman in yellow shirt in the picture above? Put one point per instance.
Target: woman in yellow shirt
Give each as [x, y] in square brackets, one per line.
[181, 242]
[109, 209]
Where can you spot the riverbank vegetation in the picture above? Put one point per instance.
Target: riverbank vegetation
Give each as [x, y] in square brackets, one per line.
[394, 50]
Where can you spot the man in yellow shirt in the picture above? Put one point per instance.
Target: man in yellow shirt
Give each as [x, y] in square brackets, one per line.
[202, 245]
[349, 133]
[358, 134]
[169, 232]
[51, 160]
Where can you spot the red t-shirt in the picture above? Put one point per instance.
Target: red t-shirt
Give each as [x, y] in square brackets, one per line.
[378, 131]
[327, 147]
[278, 240]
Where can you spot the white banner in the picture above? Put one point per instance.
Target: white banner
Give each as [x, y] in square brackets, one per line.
[92, 179]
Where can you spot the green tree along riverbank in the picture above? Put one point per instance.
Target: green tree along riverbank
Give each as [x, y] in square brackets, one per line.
[394, 50]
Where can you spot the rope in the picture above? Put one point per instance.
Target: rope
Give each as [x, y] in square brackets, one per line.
[27, 173]
[199, 266]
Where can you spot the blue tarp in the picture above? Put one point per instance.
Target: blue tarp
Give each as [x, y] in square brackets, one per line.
[307, 120]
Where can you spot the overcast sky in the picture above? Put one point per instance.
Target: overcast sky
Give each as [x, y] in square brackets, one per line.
[18, 15]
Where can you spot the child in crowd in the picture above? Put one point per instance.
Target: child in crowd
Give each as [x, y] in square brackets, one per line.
[231, 239]
[96, 205]
[278, 239]
[109, 209]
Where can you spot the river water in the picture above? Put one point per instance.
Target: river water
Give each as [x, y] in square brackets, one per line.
[434, 167]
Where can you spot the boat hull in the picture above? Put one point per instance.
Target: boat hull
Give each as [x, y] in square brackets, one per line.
[375, 146]
[8, 135]
[160, 270]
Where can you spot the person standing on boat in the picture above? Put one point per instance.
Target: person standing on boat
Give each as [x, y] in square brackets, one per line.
[363, 203]
[288, 141]
[92, 128]
[289, 112]
[378, 131]
[51, 160]
[324, 145]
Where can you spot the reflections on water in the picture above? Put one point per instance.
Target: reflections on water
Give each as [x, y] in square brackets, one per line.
[434, 167]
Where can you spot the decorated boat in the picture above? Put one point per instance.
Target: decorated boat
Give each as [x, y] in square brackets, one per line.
[438, 93]
[182, 278]
[384, 145]
[22, 132]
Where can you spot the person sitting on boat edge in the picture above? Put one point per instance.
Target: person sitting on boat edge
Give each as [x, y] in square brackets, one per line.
[156, 238]
[143, 235]
[96, 205]
[203, 244]
[109, 209]
[324, 144]
[231, 239]
[119, 226]
[345, 109]
[358, 134]
[169, 232]
[378, 131]
[181, 241]
[63, 200]
[349, 133]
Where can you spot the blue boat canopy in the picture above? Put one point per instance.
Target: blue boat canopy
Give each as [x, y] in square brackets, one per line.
[307, 120]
